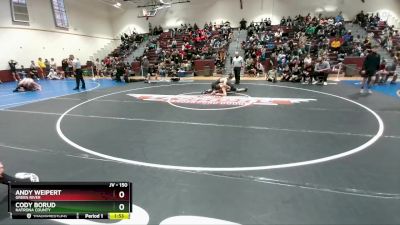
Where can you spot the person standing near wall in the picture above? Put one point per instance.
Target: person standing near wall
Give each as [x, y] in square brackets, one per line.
[53, 64]
[42, 68]
[145, 66]
[237, 62]
[13, 67]
[98, 66]
[47, 64]
[243, 24]
[77, 67]
[70, 66]
[371, 65]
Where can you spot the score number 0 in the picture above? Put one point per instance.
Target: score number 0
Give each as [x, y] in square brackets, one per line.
[121, 206]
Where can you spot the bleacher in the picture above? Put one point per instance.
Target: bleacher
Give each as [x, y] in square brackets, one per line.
[201, 67]
[290, 34]
[163, 40]
[166, 38]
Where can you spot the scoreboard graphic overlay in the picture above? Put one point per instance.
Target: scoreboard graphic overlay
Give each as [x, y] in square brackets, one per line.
[70, 200]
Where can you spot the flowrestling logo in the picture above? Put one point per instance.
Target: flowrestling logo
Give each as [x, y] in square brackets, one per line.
[219, 100]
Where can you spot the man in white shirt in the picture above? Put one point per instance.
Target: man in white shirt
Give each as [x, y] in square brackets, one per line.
[98, 67]
[77, 66]
[53, 64]
[237, 62]
[53, 75]
[321, 70]
[260, 69]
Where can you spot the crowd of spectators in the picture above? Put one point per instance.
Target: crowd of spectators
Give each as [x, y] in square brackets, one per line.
[306, 48]
[298, 49]
[302, 49]
[109, 66]
[388, 38]
[157, 30]
[176, 50]
[129, 43]
[387, 35]
[44, 69]
[41, 69]
[115, 64]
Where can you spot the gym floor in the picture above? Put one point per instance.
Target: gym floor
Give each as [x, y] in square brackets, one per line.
[279, 154]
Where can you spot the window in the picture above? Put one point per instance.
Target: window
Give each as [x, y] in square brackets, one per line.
[60, 15]
[19, 11]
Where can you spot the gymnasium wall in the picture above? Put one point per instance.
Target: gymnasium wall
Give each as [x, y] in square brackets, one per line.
[202, 11]
[94, 24]
[90, 29]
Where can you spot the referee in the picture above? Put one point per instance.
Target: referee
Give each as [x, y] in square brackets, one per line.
[237, 62]
[370, 66]
[77, 66]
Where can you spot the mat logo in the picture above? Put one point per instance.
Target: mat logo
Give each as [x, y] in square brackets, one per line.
[219, 100]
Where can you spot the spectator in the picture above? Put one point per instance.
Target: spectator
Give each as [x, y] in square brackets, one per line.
[271, 75]
[243, 24]
[296, 73]
[41, 67]
[53, 75]
[260, 69]
[286, 74]
[174, 43]
[335, 45]
[321, 71]
[389, 43]
[339, 17]
[145, 67]
[47, 64]
[33, 72]
[348, 37]
[120, 68]
[391, 70]
[53, 64]
[22, 73]
[289, 22]
[64, 67]
[283, 21]
[70, 66]
[308, 70]
[382, 72]
[162, 70]
[12, 63]
[98, 67]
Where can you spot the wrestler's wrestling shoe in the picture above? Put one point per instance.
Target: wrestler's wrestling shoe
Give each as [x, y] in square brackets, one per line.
[25, 176]
[209, 91]
[241, 89]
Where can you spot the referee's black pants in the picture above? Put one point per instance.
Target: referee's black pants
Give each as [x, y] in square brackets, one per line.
[237, 70]
[79, 78]
[7, 178]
